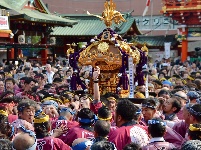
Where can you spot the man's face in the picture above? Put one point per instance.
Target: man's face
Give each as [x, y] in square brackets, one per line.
[186, 115]
[178, 83]
[84, 102]
[141, 88]
[166, 85]
[28, 114]
[148, 113]
[29, 86]
[1, 85]
[57, 84]
[22, 84]
[9, 85]
[112, 105]
[168, 106]
[48, 68]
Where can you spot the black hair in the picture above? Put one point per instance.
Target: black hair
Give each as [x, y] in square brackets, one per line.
[47, 86]
[180, 87]
[110, 94]
[157, 82]
[86, 113]
[157, 130]
[161, 73]
[104, 112]
[3, 118]
[191, 145]
[57, 80]
[42, 129]
[5, 99]
[195, 135]
[102, 128]
[126, 109]
[6, 130]
[57, 73]
[132, 146]
[196, 108]
[103, 145]
[5, 144]
[150, 102]
[10, 79]
[27, 68]
[28, 80]
[163, 92]
[176, 103]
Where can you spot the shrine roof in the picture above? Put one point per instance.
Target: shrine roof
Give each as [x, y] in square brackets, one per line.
[92, 26]
[17, 12]
[154, 40]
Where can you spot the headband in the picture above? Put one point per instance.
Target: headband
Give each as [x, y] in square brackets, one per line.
[192, 111]
[42, 120]
[82, 145]
[67, 110]
[66, 100]
[148, 105]
[2, 112]
[192, 128]
[156, 122]
[106, 119]
[87, 120]
[139, 111]
[3, 104]
[32, 134]
[38, 112]
[167, 82]
[111, 98]
[180, 96]
[53, 99]
[51, 102]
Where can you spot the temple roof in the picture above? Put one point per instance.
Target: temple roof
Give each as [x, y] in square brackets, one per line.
[156, 41]
[17, 11]
[92, 26]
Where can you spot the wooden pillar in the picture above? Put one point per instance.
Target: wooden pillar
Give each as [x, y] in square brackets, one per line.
[44, 56]
[11, 52]
[44, 51]
[184, 50]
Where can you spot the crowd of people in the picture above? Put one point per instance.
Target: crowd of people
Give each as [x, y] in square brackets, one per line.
[39, 111]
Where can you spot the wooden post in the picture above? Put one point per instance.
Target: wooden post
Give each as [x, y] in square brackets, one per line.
[11, 53]
[184, 49]
[44, 51]
[44, 56]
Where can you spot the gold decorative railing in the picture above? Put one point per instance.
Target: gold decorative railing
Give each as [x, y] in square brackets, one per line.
[179, 3]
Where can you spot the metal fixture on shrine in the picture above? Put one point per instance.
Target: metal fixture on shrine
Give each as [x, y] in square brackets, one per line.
[111, 53]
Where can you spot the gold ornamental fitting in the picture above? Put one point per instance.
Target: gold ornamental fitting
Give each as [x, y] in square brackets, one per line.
[110, 14]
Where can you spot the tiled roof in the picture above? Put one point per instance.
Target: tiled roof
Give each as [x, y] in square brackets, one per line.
[16, 7]
[91, 26]
[155, 40]
[36, 16]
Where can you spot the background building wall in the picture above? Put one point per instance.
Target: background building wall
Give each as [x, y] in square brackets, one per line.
[158, 26]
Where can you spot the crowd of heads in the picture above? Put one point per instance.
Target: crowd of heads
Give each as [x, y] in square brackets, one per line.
[37, 105]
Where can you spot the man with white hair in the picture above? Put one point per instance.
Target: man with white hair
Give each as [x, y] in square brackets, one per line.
[184, 99]
[49, 73]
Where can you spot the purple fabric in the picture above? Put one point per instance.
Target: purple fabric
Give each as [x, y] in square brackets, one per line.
[173, 137]
[181, 128]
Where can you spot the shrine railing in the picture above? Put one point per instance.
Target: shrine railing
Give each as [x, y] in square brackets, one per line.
[179, 3]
